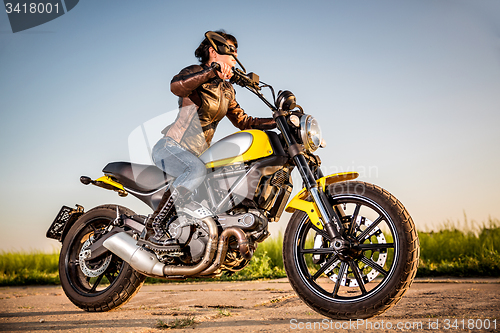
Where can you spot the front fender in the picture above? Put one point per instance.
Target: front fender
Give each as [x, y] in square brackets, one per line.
[299, 200]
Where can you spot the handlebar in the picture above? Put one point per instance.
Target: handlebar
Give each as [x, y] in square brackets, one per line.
[250, 81]
[216, 66]
[240, 78]
[245, 80]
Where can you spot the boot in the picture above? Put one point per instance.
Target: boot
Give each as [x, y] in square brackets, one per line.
[160, 217]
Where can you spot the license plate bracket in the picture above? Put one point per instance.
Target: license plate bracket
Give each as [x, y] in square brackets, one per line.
[64, 217]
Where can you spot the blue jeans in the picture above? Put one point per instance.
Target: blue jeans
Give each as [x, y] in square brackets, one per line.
[176, 161]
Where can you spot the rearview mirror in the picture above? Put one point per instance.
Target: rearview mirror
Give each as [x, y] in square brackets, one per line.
[219, 43]
[221, 46]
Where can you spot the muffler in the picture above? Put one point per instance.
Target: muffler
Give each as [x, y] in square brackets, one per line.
[125, 247]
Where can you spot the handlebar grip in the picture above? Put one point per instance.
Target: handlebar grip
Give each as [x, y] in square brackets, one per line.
[215, 65]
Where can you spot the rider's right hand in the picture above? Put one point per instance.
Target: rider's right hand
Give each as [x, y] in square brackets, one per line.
[224, 71]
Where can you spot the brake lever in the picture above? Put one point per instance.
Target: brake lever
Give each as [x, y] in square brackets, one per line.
[245, 80]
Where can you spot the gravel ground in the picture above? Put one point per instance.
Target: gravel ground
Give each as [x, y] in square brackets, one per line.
[437, 305]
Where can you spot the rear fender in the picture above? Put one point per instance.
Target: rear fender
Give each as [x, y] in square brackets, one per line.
[300, 202]
[105, 182]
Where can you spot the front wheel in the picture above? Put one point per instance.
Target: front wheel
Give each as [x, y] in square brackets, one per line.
[102, 284]
[373, 273]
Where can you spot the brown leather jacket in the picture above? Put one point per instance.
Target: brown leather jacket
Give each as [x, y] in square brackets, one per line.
[204, 99]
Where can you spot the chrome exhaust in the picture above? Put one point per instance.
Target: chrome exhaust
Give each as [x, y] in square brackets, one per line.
[125, 247]
[245, 247]
[207, 258]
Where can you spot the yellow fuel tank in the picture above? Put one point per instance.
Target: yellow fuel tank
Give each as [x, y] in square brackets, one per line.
[236, 148]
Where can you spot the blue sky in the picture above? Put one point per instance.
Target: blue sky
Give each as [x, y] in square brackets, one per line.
[407, 93]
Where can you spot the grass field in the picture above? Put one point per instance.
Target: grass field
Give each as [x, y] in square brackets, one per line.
[455, 250]
[464, 250]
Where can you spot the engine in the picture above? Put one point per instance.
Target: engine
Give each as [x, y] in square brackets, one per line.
[193, 235]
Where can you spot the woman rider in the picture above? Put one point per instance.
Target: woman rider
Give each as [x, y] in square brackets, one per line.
[205, 97]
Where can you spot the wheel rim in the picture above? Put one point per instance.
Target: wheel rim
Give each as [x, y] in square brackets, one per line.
[365, 268]
[91, 278]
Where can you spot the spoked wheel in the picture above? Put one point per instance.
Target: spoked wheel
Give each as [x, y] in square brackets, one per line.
[102, 284]
[376, 269]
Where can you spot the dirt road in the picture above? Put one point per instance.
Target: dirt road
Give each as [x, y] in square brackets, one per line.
[444, 305]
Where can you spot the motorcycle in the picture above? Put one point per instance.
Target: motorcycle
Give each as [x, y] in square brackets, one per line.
[350, 249]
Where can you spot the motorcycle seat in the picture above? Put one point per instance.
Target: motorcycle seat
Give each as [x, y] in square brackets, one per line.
[137, 177]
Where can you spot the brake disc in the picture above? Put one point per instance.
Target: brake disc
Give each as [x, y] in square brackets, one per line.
[365, 276]
[92, 270]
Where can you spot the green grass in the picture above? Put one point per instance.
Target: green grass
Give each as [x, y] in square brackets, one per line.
[455, 250]
[461, 250]
[23, 268]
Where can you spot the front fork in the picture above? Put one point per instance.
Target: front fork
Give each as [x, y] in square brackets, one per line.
[331, 220]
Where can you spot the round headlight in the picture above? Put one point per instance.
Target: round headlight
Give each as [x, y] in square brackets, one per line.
[310, 132]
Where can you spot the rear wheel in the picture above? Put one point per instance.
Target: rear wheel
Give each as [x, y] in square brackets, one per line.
[102, 284]
[373, 273]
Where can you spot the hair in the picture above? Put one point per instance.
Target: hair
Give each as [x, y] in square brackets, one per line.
[202, 52]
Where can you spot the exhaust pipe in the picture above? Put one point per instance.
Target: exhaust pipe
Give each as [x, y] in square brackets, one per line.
[244, 246]
[207, 258]
[125, 247]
